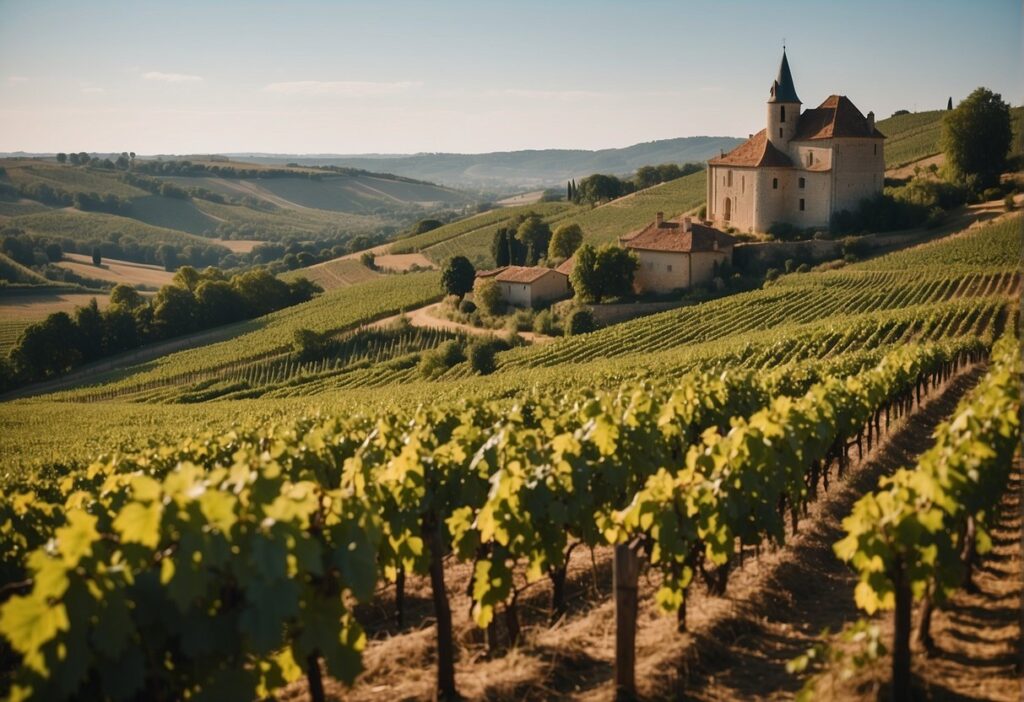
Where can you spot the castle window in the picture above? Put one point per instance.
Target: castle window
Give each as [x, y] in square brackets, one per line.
[801, 204]
[669, 268]
[810, 158]
[743, 184]
[802, 183]
[730, 179]
[876, 149]
[775, 183]
[780, 132]
[782, 118]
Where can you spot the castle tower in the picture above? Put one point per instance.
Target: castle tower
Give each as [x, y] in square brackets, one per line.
[783, 107]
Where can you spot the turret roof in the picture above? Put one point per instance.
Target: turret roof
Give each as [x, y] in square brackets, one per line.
[783, 89]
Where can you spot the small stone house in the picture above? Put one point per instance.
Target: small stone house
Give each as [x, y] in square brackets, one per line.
[676, 255]
[529, 286]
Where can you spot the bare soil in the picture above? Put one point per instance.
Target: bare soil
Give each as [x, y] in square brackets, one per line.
[736, 646]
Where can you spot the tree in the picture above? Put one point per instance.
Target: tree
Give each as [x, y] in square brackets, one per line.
[175, 311]
[261, 292]
[425, 225]
[615, 270]
[584, 275]
[53, 252]
[564, 242]
[97, 256]
[168, 256]
[369, 260]
[120, 328]
[62, 158]
[949, 103]
[481, 357]
[976, 137]
[599, 188]
[499, 247]
[535, 234]
[457, 276]
[308, 345]
[487, 295]
[646, 176]
[125, 296]
[187, 277]
[302, 290]
[90, 331]
[581, 321]
[218, 303]
[46, 348]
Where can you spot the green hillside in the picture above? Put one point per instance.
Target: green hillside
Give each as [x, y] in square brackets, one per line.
[13, 272]
[917, 135]
[863, 309]
[601, 224]
[88, 226]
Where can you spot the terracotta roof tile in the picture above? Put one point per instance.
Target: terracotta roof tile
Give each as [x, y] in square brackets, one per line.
[836, 117]
[755, 152]
[566, 266]
[524, 274]
[669, 236]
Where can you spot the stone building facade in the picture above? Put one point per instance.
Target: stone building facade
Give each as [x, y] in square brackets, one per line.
[677, 254]
[802, 168]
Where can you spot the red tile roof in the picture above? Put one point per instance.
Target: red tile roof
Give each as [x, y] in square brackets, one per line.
[836, 117]
[524, 274]
[566, 266]
[755, 152]
[669, 236]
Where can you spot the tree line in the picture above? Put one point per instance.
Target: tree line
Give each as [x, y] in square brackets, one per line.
[194, 301]
[600, 187]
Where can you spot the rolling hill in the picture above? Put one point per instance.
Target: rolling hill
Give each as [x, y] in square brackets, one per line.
[517, 169]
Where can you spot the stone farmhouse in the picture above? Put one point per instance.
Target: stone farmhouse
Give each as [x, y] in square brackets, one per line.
[529, 286]
[677, 254]
[802, 168]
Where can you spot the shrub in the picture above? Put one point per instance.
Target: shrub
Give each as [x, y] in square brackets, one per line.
[789, 265]
[1009, 202]
[436, 362]
[702, 213]
[481, 357]
[771, 274]
[467, 307]
[581, 321]
[487, 295]
[544, 323]
[803, 268]
[991, 194]
[369, 260]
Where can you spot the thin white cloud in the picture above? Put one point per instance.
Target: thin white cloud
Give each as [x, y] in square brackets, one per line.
[534, 94]
[346, 88]
[17, 79]
[171, 77]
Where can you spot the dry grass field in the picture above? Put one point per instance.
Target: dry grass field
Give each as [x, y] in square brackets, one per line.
[134, 274]
[35, 306]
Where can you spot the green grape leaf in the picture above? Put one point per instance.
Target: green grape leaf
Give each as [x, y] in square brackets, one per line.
[29, 622]
[138, 523]
[75, 540]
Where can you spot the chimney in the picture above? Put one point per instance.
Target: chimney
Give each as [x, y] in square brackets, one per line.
[871, 121]
[687, 224]
[658, 218]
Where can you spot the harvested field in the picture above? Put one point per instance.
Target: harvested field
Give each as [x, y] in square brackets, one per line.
[35, 306]
[127, 272]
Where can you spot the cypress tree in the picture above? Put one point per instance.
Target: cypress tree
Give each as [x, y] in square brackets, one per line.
[949, 104]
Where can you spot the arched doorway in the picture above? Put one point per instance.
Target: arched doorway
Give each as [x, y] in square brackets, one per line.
[728, 209]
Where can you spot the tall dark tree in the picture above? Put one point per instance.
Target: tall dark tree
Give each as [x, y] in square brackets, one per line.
[457, 276]
[499, 247]
[949, 103]
[90, 331]
[97, 256]
[976, 137]
[175, 311]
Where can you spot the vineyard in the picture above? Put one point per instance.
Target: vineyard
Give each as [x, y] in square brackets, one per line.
[291, 526]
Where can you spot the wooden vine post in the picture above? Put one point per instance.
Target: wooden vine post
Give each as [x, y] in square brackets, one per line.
[901, 635]
[626, 571]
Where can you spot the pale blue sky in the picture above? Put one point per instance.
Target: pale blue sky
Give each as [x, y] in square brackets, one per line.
[179, 76]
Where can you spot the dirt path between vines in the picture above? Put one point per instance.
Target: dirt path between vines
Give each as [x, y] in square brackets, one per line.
[979, 654]
[737, 645]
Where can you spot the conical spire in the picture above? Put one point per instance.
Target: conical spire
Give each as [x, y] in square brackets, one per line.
[783, 89]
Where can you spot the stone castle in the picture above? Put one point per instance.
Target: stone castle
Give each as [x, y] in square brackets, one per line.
[802, 168]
